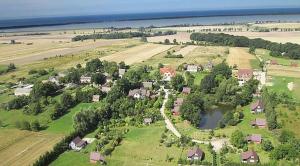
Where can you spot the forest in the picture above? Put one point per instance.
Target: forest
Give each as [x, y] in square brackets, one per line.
[288, 50]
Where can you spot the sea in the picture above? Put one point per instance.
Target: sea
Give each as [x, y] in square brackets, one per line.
[162, 19]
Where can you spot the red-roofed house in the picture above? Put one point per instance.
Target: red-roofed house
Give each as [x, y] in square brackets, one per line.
[96, 157]
[261, 123]
[257, 107]
[273, 62]
[249, 157]
[256, 138]
[195, 154]
[244, 75]
[167, 73]
[186, 90]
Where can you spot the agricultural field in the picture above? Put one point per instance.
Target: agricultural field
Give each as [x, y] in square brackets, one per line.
[181, 37]
[288, 71]
[241, 58]
[199, 55]
[186, 50]
[137, 54]
[24, 147]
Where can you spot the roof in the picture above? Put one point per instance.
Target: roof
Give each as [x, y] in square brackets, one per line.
[23, 90]
[147, 84]
[274, 62]
[258, 103]
[186, 90]
[96, 156]
[96, 97]
[245, 72]
[122, 71]
[259, 122]
[142, 92]
[195, 151]
[148, 120]
[247, 155]
[167, 70]
[105, 89]
[78, 141]
[254, 138]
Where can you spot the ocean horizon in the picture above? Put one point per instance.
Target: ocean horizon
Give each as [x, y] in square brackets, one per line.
[152, 19]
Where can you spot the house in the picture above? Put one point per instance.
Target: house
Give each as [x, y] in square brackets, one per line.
[96, 157]
[186, 90]
[105, 89]
[255, 138]
[54, 79]
[195, 154]
[178, 102]
[176, 111]
[147, 85]
[96, 98]
[25, 91]
[70, 85]
[85, 80]
[167, 73]
[273, 62]
[139, 93]
[192, 68]
[244, 75]
[77, 144]
[147, 121]
[261, 123]
[249, 157]
[257, 107]
[122, 72]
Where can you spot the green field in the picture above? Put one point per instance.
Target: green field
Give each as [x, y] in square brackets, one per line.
[281, 61]
[280, 86]
[143, 145]
[199, 77]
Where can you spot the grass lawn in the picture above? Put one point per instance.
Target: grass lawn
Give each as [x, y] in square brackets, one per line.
[143, 145]
[289, 119]
[281, 61]
[254, 63]
[280, 86]
[198, 77]
[64, 125]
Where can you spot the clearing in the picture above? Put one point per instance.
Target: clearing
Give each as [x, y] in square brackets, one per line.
[24, 147]
[186, 50]
[240, 57]
[138, 53]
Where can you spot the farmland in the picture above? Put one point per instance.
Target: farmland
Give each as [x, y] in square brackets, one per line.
[240, 57]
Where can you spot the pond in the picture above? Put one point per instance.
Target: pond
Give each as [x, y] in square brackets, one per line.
[211, 118]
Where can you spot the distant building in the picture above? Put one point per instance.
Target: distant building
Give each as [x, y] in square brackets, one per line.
[244, 75]
[77, 144]
[25, 91]
[195, 154]
[273, 62]
[96, 98]
[122, 72]
[105, 89]
[186, 90]
[85, 80]
[167, 73]
[209, 66]
[148, 85]
[257, 107]
[54, 79]
[177, 105]
[96, 157]
[261, 123]
[147, 121]
[249, 157]
[255, 138]
[192, 68]
[139, 93]
[178, 102]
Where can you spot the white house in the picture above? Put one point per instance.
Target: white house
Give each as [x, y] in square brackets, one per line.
[23, 91]
[85, 80]
[192, 68]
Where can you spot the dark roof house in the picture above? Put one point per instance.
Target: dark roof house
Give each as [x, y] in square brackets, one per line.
[195, 154]
[186, 90]
[256, 138]
[249, 157]
[261, 123]
[257, 107]
[77, 144]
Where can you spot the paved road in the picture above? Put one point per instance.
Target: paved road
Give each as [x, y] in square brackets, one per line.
[216, 143]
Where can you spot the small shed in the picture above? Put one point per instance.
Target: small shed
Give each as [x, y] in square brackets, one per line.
[96, 98]
[195, 154]
[255, 138]
[257, 107]
[249, 157]
[186, 90]
[147, 121]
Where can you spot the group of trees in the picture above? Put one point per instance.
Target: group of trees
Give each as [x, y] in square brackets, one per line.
[270, 102]
[25, 125]
[289, 50]
[121, 35]
[9, 68]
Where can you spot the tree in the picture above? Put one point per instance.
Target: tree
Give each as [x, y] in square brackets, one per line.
[177, 82]
[67, 100]
[34, 108]
[286, 136]
[207, 84]
[35, 126]
[94, 65]
[167, 41]
[237, 139]
[98, 78]
[58, 111]
[267, 145]
[223, 70]
[175, 41]
[11, 67]
[252, 50]
[1, 123]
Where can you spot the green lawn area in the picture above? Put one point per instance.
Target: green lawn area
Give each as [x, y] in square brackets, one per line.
[280, 86]
[254, 63]
[143, 145]
[64, 125]
[198, 77]
[282, 61]
[289, 119]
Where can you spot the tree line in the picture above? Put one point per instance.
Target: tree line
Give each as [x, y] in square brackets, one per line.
[289, 50]
[121, 35]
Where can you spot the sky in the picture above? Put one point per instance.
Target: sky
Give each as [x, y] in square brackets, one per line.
[12, 9]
